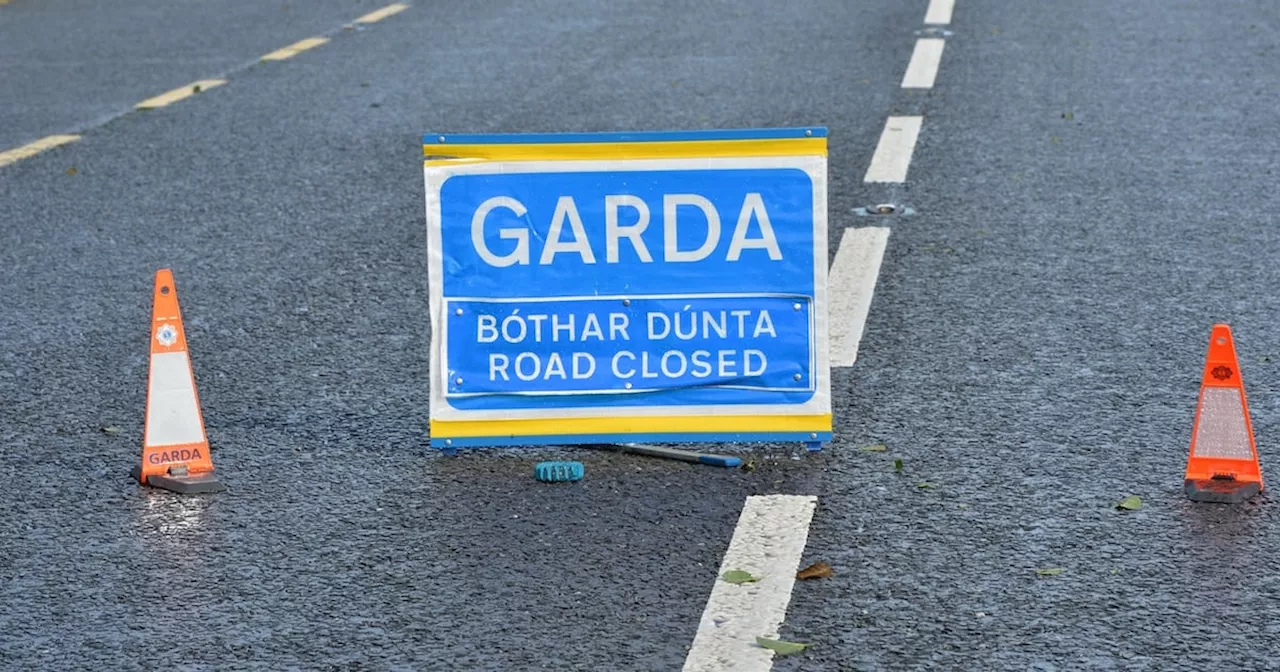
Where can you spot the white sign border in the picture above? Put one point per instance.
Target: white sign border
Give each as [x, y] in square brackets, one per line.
[436, 173]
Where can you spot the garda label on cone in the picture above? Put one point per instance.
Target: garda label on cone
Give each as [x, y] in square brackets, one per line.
[593, 288]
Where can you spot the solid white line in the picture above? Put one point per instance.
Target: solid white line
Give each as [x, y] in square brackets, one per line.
[893, 154]
[768, 542]
[923, 68]
[939, 11]
[851, 284]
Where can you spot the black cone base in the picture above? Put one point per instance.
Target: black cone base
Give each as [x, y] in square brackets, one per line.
[198, 484]
[1220, 491]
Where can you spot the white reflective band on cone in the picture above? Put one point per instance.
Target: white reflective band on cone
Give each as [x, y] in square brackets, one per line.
[1222, 432]
[173, 417]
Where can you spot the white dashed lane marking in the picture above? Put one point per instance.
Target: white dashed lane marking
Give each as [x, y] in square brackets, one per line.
[852, 283]
[893, 154]
[767, 543]
[923, 68]
[772, 530]
[940, 11]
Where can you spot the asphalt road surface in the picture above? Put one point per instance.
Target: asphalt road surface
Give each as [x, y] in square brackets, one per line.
[1093, 186]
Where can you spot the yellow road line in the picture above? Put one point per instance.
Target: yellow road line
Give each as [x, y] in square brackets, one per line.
[295, 48]
[383, 13]
[31, 149]
[180, 93]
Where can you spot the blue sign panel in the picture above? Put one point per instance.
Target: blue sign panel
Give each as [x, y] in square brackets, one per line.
[727, 349]
[633, 232]
[581, 291]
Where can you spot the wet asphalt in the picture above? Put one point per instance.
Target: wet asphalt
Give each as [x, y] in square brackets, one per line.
[1093, 188]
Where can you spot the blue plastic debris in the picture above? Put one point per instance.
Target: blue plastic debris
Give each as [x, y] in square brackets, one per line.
[557, 472]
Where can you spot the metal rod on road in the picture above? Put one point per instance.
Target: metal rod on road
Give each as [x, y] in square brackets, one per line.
[676, 454]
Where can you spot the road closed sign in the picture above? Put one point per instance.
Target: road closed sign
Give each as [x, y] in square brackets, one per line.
[638, 287]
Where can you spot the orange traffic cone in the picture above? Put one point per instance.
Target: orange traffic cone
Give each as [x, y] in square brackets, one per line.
[175, 450]
[1223, 463]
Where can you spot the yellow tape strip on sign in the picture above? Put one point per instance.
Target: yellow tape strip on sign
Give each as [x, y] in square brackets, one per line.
[676, 424]
[629, 150]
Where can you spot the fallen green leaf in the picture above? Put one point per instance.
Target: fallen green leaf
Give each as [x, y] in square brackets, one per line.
[878, 448]
[1049, 572]
[1068, 116]
[738, 576]
[897, 466]
[781, 647]
[925, 484]
[1132, 503]
[110, 429]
